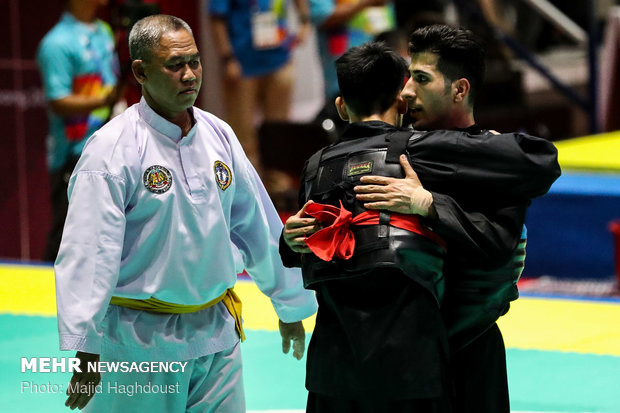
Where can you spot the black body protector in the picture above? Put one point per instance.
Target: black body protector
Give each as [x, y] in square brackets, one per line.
[473, 298]
[330, 177]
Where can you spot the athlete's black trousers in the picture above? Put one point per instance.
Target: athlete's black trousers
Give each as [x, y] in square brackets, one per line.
[479, 373]
[318, 403]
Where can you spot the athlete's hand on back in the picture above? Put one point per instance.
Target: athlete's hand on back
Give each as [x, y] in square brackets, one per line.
[403, 195]
[297, 228]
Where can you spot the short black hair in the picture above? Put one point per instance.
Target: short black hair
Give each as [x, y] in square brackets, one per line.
[370, 77]
[461, 54]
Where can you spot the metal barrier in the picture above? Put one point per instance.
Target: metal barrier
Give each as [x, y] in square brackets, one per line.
[572, 30]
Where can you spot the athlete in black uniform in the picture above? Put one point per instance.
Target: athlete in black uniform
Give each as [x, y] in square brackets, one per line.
[379, 343]
[447, 68]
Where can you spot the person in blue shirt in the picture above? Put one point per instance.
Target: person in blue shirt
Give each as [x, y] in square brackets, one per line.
[254, 44]
[79, 71]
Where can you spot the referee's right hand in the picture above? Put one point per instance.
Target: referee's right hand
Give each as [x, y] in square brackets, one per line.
[82, 386]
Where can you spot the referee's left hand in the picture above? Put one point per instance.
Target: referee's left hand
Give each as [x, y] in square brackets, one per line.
[293, 332]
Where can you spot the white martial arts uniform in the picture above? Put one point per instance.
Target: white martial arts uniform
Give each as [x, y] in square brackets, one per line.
[153, 214]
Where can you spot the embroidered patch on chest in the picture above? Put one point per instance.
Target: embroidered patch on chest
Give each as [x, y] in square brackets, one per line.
[157, 179]
[360, 168]
[223, 177]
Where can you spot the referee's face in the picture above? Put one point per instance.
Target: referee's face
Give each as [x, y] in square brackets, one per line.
[428, 94]
[171, 77]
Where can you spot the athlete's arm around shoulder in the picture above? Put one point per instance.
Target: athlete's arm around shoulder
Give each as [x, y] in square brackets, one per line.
[540, 158]
[514, 166]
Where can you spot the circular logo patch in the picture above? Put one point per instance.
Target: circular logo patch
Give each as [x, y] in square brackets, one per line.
[223, 177]
[157, 179]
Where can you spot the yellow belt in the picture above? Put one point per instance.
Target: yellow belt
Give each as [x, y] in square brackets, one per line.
[230, 299]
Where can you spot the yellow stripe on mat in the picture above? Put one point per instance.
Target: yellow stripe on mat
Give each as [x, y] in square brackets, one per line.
[599, 153]
[532, 323]
[27, 290]
[563, 325]
[30, 290]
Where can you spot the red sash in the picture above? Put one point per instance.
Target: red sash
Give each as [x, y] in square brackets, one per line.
[338, 240]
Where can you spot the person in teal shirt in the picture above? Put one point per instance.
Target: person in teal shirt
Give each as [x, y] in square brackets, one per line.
[78, 67]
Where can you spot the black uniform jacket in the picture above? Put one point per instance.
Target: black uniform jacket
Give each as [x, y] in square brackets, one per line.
[380, 335]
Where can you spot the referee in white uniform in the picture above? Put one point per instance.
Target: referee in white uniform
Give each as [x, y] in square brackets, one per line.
[158, 201]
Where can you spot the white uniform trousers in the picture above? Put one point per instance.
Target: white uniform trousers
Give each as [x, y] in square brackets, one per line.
[210, 384]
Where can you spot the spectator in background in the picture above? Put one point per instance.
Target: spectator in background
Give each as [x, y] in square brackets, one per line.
[254, 46]
[342, 24]
[78, 66]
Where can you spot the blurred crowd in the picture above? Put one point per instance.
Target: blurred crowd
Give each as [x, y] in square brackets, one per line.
[254, 42]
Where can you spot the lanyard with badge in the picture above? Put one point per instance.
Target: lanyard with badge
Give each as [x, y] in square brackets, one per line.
[265, 30]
